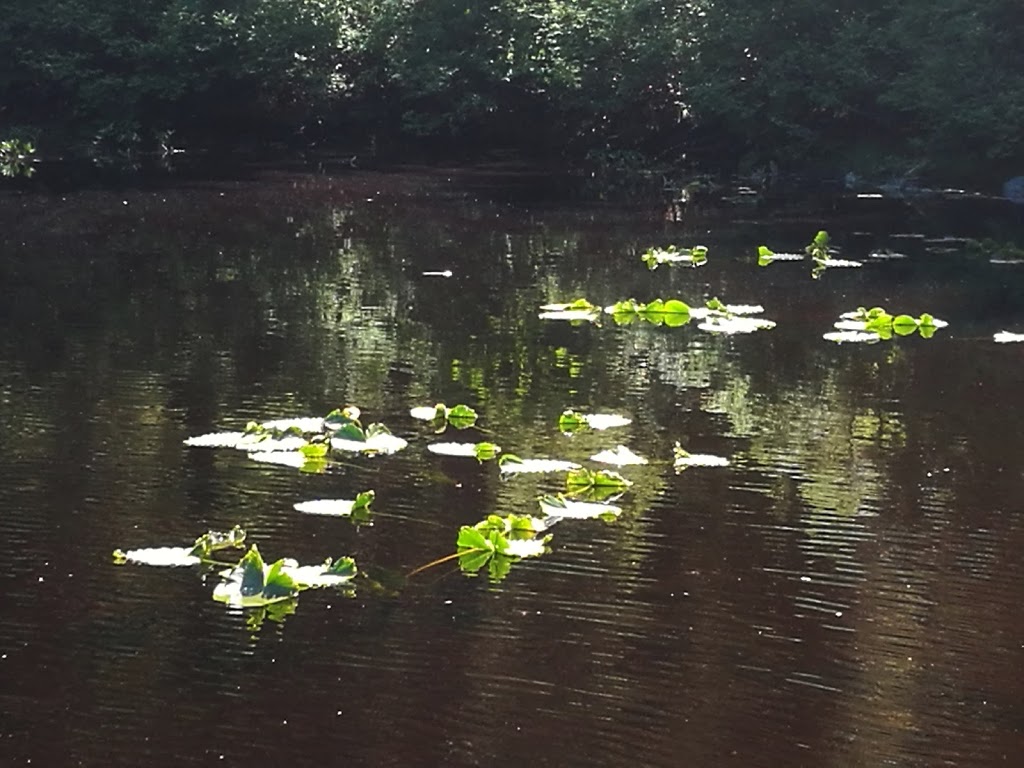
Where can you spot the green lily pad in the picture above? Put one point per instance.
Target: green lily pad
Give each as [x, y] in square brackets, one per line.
[692, 257]
[480, 451]
[336, 507]
[577, 310]
[585, 478]
[201, 549]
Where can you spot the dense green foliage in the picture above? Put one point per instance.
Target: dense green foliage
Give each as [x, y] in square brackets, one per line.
[873, 85]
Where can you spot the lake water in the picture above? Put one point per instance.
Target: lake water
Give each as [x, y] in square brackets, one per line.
[846, 592]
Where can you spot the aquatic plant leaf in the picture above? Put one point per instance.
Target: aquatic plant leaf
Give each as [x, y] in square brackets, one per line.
[838, 263]
[471, 538]
[526, 547]
[603, 421]
[841, 337]
[341, 417]
[214, 541]
[904, 325]
[426, 413]
[620, 456]
[279, 582]
[292, 459]
[336, 507]
[252, 441]
[600, 478]
[580, 309]
[517, 465]
[174, 557]
[571, 421]
[381, 442]
[332, 573]
[462, 413]
[684, 459]
[472, 560]
[314, 450]
[480, 451]
[561, 507]
[733, 325]
[252, 572]
[486, 451]
[694, 257]
[1006, 337]
[303, 424]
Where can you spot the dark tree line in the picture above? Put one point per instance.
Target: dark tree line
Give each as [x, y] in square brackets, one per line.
[866, 84]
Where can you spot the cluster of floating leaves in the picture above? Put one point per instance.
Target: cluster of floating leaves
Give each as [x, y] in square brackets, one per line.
[250, 582]
[876, 324]
[691, 257]
[820, 251]
[713, 317]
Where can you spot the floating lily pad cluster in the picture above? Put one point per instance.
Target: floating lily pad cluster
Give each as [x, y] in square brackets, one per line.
[250, 582]
[820, 251]
[308, 443]
[441, 416]
[713, 317]
[691, 257]
[875, 324]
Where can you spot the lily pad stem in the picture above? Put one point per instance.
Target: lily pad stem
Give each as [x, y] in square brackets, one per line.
[444, 559]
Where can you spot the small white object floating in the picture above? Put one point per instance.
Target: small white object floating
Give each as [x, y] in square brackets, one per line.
[1005, 337]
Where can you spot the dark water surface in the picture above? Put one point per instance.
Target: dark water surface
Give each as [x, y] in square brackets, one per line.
[846, 593]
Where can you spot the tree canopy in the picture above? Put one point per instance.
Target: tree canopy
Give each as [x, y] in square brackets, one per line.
[864, 84]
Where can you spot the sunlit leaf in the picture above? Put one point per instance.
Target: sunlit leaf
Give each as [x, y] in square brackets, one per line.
[734, 325]
[841, 337]
[535, 465]
[603, 477]
[335, 507]
[561, 507]
[684, 459]
[619, 456]
[602, 421]
[159, 556]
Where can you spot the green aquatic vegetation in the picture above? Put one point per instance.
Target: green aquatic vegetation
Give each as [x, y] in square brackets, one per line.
[562, 508]
[766, 256]
[672, 313]
[357, 509]
[574, 311]
[870, 325]
[510, 464]
[620, 456]
[693, 257]
[375, 439]
[480, 451]
[201, 550]
[717, 317]
[683, 459]
[16, 158]
[497, 543]
[340, 430]
[581, 479]
[252, 582]
[572, 421]
[440, 416]
[817, 249]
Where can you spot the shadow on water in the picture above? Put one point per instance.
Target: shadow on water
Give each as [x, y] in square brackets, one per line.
[843, 593]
